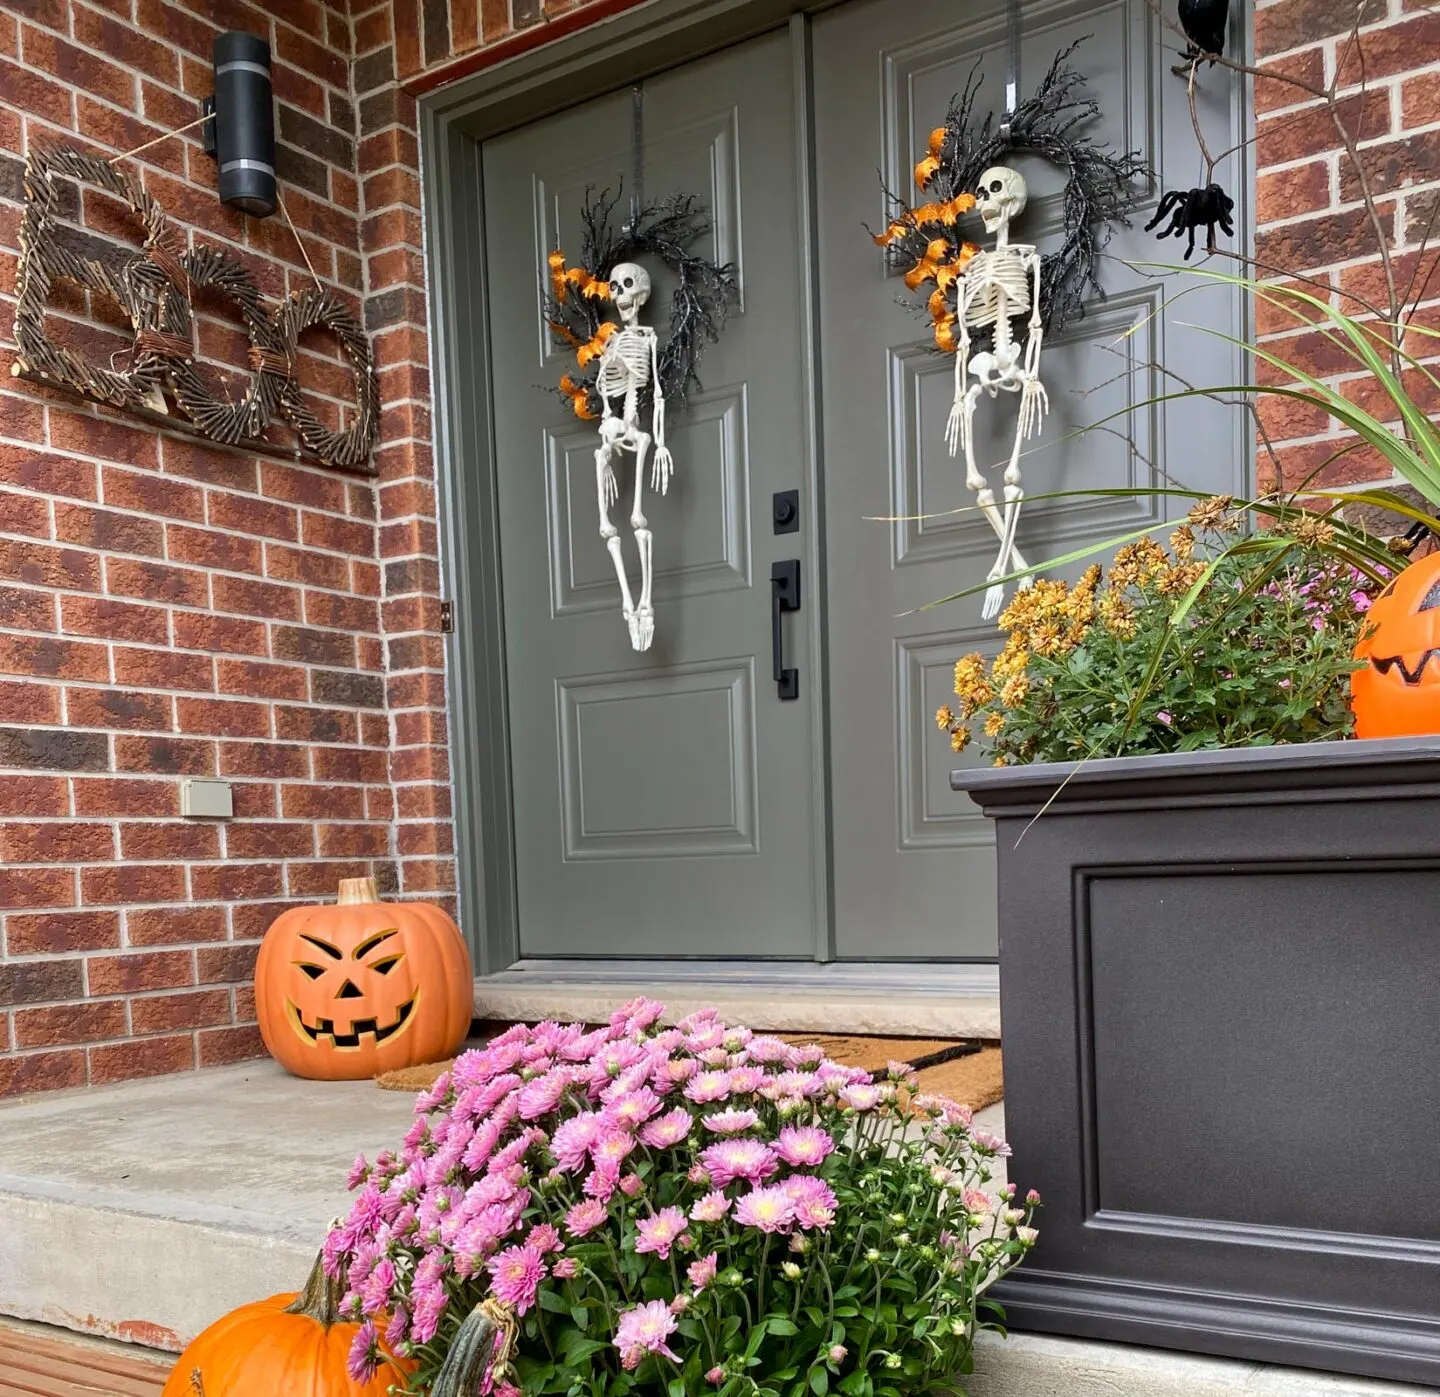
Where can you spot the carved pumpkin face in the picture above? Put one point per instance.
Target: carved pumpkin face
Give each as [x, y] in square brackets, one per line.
[1397, 693]
[348, 991]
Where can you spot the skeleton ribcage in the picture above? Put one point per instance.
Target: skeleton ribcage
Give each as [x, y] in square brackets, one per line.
[625, 363]
[987, 275]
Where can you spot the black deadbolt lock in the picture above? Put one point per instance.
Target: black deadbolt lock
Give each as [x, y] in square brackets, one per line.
[786, 511]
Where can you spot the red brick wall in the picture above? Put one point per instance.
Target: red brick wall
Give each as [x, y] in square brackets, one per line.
[169, 608]
[436, 40]
[1310, 214]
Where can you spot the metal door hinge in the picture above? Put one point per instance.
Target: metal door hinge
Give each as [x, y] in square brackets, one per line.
[447, 617]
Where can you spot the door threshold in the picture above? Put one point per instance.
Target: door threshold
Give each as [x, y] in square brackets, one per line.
[899, 1000]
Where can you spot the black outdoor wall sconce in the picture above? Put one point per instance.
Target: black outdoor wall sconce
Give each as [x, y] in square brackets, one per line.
[242, 135]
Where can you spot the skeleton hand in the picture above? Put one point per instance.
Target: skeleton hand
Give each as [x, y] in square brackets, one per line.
[609, 488]
[952, 423]
[662, 468]
[1034, 404]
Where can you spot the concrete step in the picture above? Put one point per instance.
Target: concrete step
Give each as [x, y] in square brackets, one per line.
[929, 1001]
[1033, 1365]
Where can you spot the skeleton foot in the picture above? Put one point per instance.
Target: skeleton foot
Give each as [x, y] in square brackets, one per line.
[642, 628]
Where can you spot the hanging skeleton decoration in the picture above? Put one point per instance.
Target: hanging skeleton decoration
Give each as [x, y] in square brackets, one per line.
[626, 376]
[1000, 285]
[964, 287]
[630, 367]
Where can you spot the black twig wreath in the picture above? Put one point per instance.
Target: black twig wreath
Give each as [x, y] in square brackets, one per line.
[927, 241]
[577, 297]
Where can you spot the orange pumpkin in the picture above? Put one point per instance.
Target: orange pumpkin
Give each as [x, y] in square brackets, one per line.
[362, 987]
[286, 1344]
[1397, 693]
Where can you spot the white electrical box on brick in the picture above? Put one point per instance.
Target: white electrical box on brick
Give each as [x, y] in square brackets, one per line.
[205, 797]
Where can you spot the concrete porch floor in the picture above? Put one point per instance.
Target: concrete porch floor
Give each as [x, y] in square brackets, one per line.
[143, 1212]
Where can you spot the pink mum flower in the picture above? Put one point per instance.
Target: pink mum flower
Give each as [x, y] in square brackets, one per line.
[708, 1086]
[731, 1122]
[544, 1238]
[572, 1141]
[567, 1268]
[585, 1217]
[515, 1277]
[658, 1234]
[751, 1160]
[715, 1377]
[364, 1356]
[702, 1272]
[814, 1200]
[673, 1071]
[668, 1130]
[612, 1149]
[769, 1209]
[540, 1097]
[633, 1108]
[746, 1079]
[767, 1049]
[642, 1331]
[711, 1208]
[631, 1185]
[991, 1144]
[978, 1202]
[793, 1084]
[600, 1184]
[804, 1144]
[861, 1096]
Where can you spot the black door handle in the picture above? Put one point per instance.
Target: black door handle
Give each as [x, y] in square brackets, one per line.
[784, 596]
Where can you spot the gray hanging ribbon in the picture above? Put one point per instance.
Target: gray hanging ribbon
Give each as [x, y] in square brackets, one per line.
[637, 153]
[1012, 65]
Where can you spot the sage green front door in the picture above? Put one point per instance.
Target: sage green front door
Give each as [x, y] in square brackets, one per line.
[670, 804]
[664, 802]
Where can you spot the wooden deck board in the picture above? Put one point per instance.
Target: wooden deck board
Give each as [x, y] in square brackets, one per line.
[39, 1362]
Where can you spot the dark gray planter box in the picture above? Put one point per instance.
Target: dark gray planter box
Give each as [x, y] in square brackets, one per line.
[1220, 1000]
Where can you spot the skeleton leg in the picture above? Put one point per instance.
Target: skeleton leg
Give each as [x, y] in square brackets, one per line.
[976, 483]
[642, 627]
[1008, 559]
[608, 491]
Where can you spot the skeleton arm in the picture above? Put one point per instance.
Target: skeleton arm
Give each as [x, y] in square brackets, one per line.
[1034, 402]
[962, 367]
[664, 464]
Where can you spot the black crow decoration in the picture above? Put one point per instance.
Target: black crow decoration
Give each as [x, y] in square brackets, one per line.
[1204, 23]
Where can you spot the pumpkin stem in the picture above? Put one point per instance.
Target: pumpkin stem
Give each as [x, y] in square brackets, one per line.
[484, 1343]
[357, 890]
[320, 1300]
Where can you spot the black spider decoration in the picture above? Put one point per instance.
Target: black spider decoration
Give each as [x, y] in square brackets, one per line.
[1188, 209]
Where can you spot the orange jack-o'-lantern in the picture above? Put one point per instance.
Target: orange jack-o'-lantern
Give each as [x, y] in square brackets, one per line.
[1397, 693]
[361, 987]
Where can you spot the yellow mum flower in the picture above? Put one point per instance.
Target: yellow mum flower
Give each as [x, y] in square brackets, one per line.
[944, 718]
[1182, 543]
[959, 739]
[1015, 690]
[994, 723]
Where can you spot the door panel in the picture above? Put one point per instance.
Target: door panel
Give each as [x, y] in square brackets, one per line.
[663, 802]
[914, 862]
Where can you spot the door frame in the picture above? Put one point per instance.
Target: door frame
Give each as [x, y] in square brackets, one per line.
[454, 121]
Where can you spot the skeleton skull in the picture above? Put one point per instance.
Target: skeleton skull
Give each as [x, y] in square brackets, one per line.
[629, 287]
[1000, 196]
